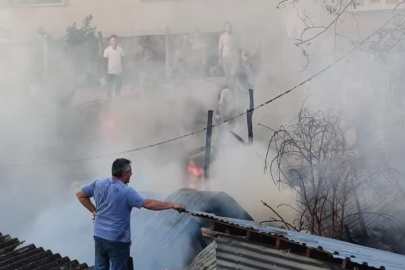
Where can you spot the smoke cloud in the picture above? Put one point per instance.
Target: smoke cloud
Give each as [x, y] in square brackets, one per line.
[47, 119]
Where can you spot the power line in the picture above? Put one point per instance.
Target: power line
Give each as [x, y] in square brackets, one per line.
[339, 59]
[103, 156]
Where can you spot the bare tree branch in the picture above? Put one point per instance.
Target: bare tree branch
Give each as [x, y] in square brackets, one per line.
[288, 225]
[399, 4]
[325, 28]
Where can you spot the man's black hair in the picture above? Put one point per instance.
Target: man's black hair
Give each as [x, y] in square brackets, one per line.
[119, 166]
[112, 36]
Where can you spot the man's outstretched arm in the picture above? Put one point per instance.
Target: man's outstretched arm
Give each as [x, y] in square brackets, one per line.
[159, 205]
[86, 202]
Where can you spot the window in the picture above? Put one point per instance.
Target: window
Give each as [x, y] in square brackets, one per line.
[34, 3]
[375, 4]
[358, 3]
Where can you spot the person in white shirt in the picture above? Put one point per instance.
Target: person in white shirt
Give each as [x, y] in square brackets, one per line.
[114, 55]
[228, 50]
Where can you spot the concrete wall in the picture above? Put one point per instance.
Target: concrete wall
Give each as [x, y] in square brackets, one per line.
[257, 21]
[133, 17]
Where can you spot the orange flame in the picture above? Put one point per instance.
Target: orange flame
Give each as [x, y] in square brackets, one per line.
[194, 170]
[196, 174]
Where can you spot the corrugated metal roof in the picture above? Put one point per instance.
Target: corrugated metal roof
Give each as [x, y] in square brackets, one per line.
[172, 240]
[206, 259]
[229, 252]
[338, 249]
[32, 258]
[236, 253]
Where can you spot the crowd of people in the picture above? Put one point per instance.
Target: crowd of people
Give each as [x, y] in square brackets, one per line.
[192, 59]
[114, 199]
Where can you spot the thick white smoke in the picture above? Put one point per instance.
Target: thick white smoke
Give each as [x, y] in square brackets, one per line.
[37, 202]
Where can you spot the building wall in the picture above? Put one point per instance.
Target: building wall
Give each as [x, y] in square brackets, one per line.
[131, 17]
[257, 21]
[376, 4]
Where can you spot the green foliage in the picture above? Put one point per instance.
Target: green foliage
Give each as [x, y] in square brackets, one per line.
[82, 48]
[78, 36]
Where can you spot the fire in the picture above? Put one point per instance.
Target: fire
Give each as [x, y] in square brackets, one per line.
[196, 175]
[194, 170]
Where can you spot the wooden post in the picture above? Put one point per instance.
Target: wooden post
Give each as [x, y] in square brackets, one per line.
[46, 59]
[101, 53]
[249, 116]
[167, 53]
[102, 61]
[207, 159]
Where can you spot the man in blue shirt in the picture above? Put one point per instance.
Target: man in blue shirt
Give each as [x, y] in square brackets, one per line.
[112, 214]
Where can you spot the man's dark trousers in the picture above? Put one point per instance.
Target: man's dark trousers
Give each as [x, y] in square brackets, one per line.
[113, 84]
[111, 255]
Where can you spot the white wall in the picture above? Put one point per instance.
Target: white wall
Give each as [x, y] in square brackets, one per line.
[131, 17]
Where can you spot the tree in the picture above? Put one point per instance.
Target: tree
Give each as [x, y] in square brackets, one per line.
[332, 179]
[313, 157]
[332, 11]
[320, 18]
[328, 19]
[82, 45]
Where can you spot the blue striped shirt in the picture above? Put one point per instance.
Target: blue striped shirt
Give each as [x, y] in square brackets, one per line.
[114, 203]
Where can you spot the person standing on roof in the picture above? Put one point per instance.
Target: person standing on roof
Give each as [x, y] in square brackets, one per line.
[228, 50]
[112, 214]
[114, 54]
[246, 70]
